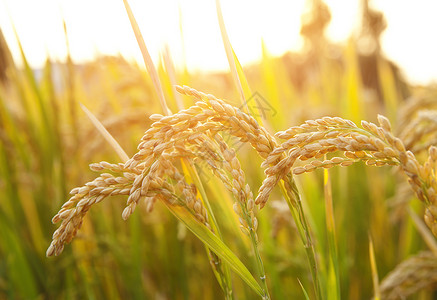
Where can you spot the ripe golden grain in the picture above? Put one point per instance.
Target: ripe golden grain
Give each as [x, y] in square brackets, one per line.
[193, 134]
[409, 277]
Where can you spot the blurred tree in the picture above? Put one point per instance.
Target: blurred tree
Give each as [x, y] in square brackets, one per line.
[369, 48]
[373, 24]
[304, 67]
[370, 56]
[314, 25]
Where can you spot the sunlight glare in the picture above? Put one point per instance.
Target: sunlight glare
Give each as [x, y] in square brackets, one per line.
[102, 27]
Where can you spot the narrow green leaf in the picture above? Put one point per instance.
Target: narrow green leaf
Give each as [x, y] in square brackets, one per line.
[106, 135]
[303, 290]
[147, 59]
[19, 265]
[270, 84]
[229, 53]
[377, 293]
[333, 288]
[352, 83]
[216, 245]
[41, 105]
[71, 86]
[246, 90]
[387, 82]
[192, 176]
[171, 73]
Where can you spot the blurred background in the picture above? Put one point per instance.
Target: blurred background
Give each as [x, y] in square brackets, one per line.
[307, 59]
[99, 27]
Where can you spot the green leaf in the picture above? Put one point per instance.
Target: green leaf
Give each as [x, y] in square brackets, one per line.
[216, 245]
[376, 289]
[303, 290]
[192, 176]
[333, 284]
[147, 59]
[234, 64]
[106, 135]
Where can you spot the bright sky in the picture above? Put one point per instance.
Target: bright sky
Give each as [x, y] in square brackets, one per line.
[102, 27]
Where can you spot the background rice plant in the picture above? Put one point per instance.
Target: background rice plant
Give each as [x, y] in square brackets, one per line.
[47, 143]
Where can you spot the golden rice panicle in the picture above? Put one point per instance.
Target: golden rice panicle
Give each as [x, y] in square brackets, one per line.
[194, 134]
[408, 112]
[210, 110]
[147, 184]
[73, 211]
[208, 113]
[421, 132]
[375, 145]
[238, 124]
[193, 202]
[313, 139]
[142, 180]
[244, 207]
[186, 195]
[106, 166]
[189, 127]
[429, 171]
[233, 121]
[413, 116]
[384, 123]
[409, 277]
[164, 181]
[326, 164]
[159, 142]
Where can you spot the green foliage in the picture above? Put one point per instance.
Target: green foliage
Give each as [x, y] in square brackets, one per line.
[46, 143]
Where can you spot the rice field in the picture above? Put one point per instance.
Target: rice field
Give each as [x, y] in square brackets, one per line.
[278, 180]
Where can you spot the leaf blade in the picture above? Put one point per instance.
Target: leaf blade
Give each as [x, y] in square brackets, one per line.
[216, 245]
